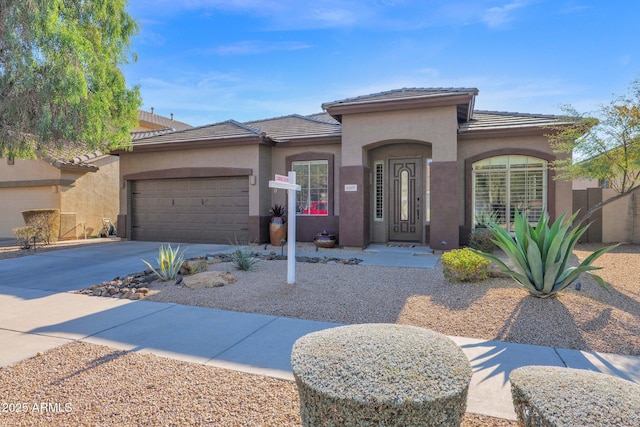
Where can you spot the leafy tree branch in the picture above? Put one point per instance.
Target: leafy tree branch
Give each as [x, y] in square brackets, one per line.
[60, 79]
[603, 145]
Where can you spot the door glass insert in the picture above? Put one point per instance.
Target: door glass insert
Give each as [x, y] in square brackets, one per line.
[404, 195]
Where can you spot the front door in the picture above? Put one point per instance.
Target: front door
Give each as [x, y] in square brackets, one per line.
[405, 199]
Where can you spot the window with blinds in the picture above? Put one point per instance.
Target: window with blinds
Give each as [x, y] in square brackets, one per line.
[505, 184]
[379, 191]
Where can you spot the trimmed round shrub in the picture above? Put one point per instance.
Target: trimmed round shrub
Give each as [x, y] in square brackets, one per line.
[463, 265]
[380, 375]
[552, 396]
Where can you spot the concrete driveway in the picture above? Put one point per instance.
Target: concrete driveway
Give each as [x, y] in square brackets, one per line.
[77, 268]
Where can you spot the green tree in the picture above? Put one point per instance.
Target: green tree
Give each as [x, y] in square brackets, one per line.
[605, 145]
[60, 79]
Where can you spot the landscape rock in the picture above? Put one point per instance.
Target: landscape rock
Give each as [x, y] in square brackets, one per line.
[208, 279]
[136, 285]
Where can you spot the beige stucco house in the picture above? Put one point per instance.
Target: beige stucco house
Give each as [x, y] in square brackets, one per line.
[85, 188]
[409, 165]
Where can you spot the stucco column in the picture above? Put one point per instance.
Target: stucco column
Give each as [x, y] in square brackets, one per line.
[444, 206]
[354, 206]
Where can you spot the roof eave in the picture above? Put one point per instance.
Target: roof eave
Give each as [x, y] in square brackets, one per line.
[503, 132]
[183, 145]
[312, 140]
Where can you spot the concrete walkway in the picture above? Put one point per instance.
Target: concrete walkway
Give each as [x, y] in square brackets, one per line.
[36, 315]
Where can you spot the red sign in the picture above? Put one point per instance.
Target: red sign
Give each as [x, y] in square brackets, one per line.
[282, 178]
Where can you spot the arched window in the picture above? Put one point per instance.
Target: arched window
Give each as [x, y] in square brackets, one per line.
[504, 184]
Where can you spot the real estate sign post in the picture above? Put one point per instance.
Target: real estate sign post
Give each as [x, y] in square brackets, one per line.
[289, 183]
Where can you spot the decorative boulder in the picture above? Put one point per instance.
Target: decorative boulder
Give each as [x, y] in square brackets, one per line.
[554, 396]
[208, 279]
[380, 374]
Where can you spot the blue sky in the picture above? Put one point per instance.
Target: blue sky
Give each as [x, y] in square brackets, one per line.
[211, 60]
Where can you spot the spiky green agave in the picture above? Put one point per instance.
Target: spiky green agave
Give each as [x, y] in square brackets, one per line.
[541, 254]
[169, 262]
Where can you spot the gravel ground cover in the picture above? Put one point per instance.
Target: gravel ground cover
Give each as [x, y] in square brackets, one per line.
[109, 387]
[591, 319]
[82, 384]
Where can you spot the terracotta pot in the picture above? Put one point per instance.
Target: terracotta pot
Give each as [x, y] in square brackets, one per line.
[277, 231]
[324, 240]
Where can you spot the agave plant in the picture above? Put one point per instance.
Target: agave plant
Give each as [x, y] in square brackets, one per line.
[169, 262]
[541, 254]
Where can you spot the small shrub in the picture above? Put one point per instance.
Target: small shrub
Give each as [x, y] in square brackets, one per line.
[23, 236]
[463, 265]
[169, 262]
[243, 259]
[45, 221]
[482, 240]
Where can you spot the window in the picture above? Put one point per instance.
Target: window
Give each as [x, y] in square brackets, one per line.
[313, 178]
[504, 184]
[379, 191]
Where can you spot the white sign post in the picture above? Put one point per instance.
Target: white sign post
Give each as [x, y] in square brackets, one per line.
[289, 183]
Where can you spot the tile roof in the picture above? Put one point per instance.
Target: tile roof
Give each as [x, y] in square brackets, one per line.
[402, 94]
[324, 117]
[277, 129]
[71, 154]
[74, 155]
[165, 122]
[497, 120]
[397, 99]
[223, 130]
[296, 126]
[149, 133]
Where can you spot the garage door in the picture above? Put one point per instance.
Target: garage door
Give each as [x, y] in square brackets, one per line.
[198, 210]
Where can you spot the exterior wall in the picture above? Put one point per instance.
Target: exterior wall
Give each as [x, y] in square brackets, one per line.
[621, 218]
[583, 184]
[27, 170]
[437, 126]
[94, 196]
[16, 200]
[27, 184]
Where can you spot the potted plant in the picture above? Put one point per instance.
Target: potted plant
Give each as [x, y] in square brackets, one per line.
[278, 225]
[324, 239]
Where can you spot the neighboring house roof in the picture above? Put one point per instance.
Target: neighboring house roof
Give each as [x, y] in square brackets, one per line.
[163, 122]
[70, 156]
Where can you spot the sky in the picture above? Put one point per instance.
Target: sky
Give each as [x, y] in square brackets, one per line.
[208, 61]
